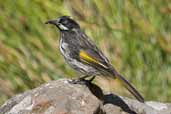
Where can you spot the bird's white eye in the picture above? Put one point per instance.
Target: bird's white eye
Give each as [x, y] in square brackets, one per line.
[64, 21]
[62, 27]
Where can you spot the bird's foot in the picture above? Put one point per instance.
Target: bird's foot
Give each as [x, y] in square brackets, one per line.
[81, 81]
[78, 81]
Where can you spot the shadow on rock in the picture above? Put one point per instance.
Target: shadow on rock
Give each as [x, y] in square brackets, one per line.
[108, 98]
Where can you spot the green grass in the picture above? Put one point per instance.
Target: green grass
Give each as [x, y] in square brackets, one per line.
[135, 36]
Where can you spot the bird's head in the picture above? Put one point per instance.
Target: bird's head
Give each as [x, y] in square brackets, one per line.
[64, 23]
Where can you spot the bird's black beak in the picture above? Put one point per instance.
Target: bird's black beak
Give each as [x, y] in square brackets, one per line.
[54, 22]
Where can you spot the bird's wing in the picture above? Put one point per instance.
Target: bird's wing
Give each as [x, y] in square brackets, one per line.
[90, 59]
[90, 54]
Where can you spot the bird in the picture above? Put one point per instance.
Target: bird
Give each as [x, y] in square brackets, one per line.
[82, 54]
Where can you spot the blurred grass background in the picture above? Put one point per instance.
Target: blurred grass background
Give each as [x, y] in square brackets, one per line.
[134, 34]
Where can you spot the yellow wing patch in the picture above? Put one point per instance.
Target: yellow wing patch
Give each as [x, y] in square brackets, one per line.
[88, 59]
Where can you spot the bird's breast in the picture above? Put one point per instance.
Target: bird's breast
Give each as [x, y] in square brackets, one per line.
[64, 48]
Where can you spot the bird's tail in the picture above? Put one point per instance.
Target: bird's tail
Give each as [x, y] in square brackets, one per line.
[129, 87]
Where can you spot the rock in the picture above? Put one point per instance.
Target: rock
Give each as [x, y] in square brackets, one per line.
[63, 97]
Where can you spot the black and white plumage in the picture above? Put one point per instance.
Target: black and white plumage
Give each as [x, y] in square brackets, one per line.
[83, 55]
